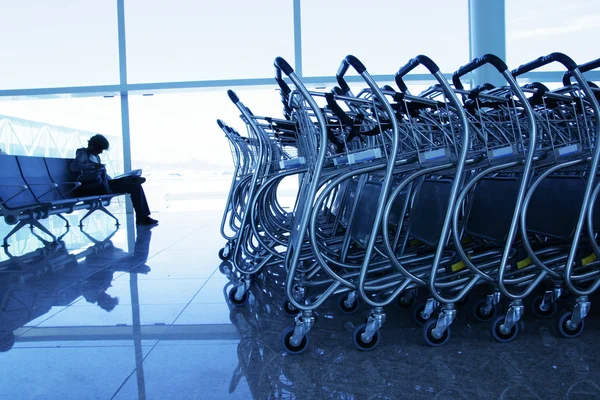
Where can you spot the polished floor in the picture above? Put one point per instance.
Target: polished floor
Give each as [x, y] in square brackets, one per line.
[142, 314]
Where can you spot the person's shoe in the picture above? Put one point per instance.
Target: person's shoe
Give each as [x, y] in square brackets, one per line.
[137, 179]
[146, 221]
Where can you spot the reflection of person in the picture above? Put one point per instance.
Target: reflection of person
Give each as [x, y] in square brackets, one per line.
[92, 175]
[91, 278]
[95, 287]
[94, 290]
[7, 341]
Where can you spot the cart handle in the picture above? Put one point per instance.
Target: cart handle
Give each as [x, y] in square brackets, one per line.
[337, 110]
[346, 63]
[412, 64]
[285, 89]
[477, 63]
[232, 96]
[588, 66]
[226, 128]
[544, 60]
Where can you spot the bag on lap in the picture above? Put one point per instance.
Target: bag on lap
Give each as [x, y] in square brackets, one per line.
[94, 181]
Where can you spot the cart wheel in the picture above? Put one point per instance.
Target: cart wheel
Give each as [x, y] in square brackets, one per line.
[360, 343]
[432, 340]
[289, 309]
[238, 303]
[348, 310]
[478, 313]
[404, 304]
[222, 255]
[226, 268]
[500, 336]
[285, 340]
[416, 313]
[567, 331]
[535, 307]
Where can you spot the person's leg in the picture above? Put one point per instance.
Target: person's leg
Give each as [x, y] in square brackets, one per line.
[138, 197]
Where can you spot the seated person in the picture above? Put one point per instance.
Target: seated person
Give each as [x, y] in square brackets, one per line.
[94, 179]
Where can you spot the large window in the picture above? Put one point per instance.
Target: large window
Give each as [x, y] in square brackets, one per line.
[190, 40]
[58, 43]
[180, 130]
[538, 27]
[384, 35]
[185, 156]
[57, 127]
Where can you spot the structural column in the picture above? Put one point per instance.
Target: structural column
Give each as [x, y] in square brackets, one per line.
[298, 38]
[124, 95]
[487, 34]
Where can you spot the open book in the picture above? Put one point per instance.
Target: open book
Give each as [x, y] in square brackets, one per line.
[135, 172]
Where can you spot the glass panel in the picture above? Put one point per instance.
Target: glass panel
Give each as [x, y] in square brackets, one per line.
[56, 128]
[184, 154]
[186, 40]
[537, 27]
[59, 43]
[384, 35]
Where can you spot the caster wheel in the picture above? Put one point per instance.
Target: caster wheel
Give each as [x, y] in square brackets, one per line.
[360, 343]
[432, 340]
[565, 330]
[478, 313]
[500, 336]
[222, 255]
[238, 303]
[348, 310]
[290, 348]
[535, 307]
[406, 304]
[226, 268]
[289, 309]
[416, 313]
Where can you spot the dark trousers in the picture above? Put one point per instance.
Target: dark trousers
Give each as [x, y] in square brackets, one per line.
[135, 189]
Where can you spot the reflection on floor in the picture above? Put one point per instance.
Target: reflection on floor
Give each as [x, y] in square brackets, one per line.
[143, 313]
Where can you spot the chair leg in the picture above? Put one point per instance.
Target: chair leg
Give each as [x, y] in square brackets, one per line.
[87, 214]
[101, 208]
[105, 211]
[35, 223]
[60, 238]
[67, 227]
[32, 223]
[17, 228]
[66, 221]
[96, 241]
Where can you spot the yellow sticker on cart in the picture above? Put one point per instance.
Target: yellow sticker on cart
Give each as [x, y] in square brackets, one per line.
[414, 242]
[588, 259]
[524, 263]
[458, 266]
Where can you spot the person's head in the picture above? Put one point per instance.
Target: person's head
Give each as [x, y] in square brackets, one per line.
[107, 302]
[97, 144]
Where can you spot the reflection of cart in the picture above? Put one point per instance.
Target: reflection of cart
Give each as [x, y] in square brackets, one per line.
[419, 199]
[270, 373]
